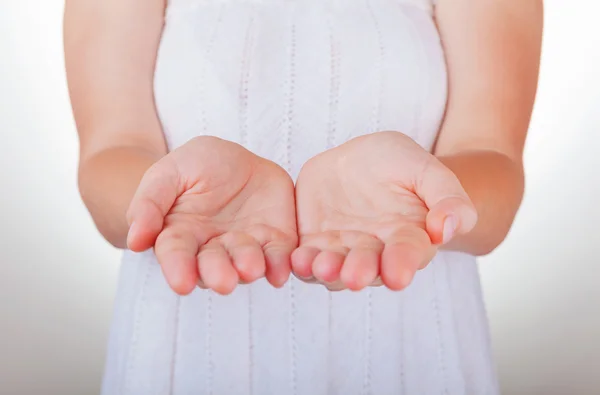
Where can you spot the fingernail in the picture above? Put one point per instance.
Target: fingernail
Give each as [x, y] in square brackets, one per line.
[449, 228]
[130, 232]
[306, 279]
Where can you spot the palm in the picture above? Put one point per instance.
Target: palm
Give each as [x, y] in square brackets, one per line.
[233, 219]
[360, 214]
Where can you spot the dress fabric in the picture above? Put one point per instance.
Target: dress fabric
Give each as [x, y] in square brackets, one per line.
[289, 79]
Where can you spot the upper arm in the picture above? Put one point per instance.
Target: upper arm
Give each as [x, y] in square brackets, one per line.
[492, 52]
[110, 53]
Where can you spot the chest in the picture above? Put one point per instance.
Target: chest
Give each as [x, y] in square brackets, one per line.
[299, 77]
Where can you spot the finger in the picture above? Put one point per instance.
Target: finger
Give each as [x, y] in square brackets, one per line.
[216, 269]
[308, 280]
[310, 247]
[336, 286]
[405, 253]
[152, 200]
[201, 284]
[451, 212]
[176, 249]
[449, 217]
[399, 263]
[327, 266]
[302, 261]
[378, 282]
[361, 268]
[278, 263]
[246, 254]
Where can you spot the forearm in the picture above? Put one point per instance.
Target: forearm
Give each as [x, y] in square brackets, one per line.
[495, 184]
[492, 50]
[110, 54]
[107, 183]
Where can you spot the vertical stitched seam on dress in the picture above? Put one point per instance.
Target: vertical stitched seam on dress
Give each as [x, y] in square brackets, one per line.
[291, 93]
[375, 128]
[244, 82]
[438, 321]
[289, 119]
[401, 342]
[175, 343]
[450, 302]
[379, 67]
[334, 94]
[369, 342]
[402, 336]
[202, 88]
[250, 342]
[292, 337]
[209, 301]
[136, 329]
[245, 78]
[417, 123]
[209, 356]
[330, 384]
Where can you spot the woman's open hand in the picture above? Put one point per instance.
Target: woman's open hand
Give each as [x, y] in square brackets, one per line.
[375, 209]
[216, 214]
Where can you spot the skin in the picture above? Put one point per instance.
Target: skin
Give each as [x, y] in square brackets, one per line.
[492, 85]
[208, 225]
[386, 219]
[110, 53]
[216, 214]
[141, 196]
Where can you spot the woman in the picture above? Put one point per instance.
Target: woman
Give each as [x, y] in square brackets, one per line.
[403, 124]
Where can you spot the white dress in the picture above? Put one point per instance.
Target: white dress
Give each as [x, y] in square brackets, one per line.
[289, 79]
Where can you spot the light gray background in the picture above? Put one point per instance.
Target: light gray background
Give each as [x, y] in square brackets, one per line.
[58, 277]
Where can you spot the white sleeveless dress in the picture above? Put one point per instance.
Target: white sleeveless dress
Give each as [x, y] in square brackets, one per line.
[313, 73]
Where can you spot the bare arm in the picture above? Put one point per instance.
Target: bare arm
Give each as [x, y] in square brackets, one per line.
[110, 52]
[492, 50]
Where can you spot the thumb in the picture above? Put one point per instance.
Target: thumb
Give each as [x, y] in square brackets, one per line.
[158, 190]
[451, 211]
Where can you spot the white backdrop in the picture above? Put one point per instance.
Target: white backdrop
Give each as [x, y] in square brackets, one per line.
[58, 277]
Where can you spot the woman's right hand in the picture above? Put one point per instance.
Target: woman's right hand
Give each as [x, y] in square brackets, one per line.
[216, 214]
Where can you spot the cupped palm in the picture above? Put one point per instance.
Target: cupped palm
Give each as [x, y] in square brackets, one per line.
[375, 208]
[216, 214]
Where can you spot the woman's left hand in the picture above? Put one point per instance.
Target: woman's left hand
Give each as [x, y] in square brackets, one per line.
[374, 210]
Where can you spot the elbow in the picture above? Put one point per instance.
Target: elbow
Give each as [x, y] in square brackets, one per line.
[486, 244]
[115, 240]
[486, 247]
[489, 237]
[492, 240]
[112, 236]
[107, 230]
[503, 222]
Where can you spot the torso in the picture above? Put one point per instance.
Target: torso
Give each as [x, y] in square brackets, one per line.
[289, 79]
